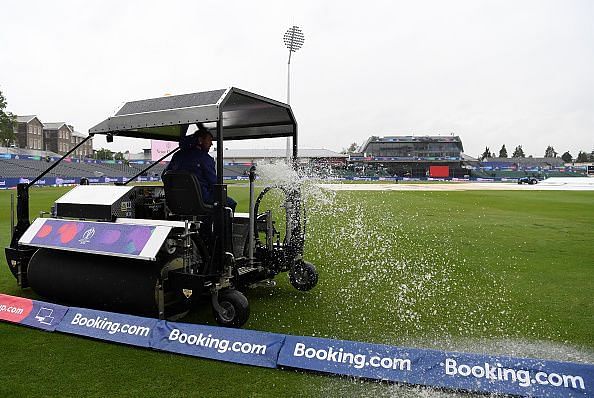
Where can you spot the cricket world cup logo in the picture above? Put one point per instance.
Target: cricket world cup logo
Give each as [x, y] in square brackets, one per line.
[87, 236]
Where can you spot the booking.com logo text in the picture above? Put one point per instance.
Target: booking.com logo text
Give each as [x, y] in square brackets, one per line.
[523, 377]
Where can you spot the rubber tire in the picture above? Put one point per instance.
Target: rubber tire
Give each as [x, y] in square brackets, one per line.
[237, 306]
[303, 276]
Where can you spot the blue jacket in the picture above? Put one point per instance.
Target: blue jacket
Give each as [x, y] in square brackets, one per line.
[199, 163]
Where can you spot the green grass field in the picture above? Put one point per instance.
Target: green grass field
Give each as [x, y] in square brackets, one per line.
[475, 271]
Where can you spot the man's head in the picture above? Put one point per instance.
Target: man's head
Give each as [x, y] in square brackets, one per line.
[204, 137]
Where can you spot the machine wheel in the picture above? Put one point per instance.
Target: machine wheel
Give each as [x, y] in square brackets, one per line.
[303, 276]
[236, 309]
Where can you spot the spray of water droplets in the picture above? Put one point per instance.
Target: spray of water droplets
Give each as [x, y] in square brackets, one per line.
[394, 278]
[383, 275]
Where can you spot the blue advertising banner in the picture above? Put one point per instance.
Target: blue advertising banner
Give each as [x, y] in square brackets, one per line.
[432, 368]
[110, 326]
[67, 181]
[471, 372]
[248, 347]
[37, 314]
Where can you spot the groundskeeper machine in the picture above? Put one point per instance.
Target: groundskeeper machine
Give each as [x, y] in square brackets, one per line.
[158, 250]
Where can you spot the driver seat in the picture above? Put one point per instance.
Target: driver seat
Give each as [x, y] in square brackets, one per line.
[183, 197]
[183, 194]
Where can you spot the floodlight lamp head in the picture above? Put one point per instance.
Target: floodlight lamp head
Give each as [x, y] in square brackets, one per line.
[294, 38]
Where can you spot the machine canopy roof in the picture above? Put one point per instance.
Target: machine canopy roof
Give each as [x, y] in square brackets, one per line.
[245, 115]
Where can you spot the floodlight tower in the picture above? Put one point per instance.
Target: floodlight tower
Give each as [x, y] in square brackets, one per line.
[293, 39]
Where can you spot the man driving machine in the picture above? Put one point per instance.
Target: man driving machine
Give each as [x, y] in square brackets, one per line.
[193, 157]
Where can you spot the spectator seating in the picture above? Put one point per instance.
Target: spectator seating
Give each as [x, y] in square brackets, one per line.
[16, 168]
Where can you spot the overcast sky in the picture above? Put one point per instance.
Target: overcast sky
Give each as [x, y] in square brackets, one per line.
[493, 72]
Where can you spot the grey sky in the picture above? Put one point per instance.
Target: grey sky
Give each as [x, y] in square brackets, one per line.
[494, 72]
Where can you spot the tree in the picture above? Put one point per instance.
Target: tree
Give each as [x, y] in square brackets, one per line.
[351, 149]
[503, 152]
[7, 122]
[518, 152]
[567, 158]
[486, 154]
[118, 156]
[550, 152]
[104, 154]
[582, 157]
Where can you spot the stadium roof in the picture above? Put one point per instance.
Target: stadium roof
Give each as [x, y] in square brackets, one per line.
[468, 158]
[279, 153]
[250, 154]
[414, 139]
[418, 138]
[244, 115]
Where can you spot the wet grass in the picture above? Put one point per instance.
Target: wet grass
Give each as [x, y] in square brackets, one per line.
[395, 268]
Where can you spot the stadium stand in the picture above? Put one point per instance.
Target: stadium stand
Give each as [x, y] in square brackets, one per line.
[410, 156]
[28, 164]
[27, 168]
[16, 163]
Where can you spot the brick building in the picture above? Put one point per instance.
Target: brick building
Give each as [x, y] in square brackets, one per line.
[59, 138]
[86, 149]
[29, 132]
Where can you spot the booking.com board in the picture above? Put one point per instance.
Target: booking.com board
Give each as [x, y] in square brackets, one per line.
[431, 368]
